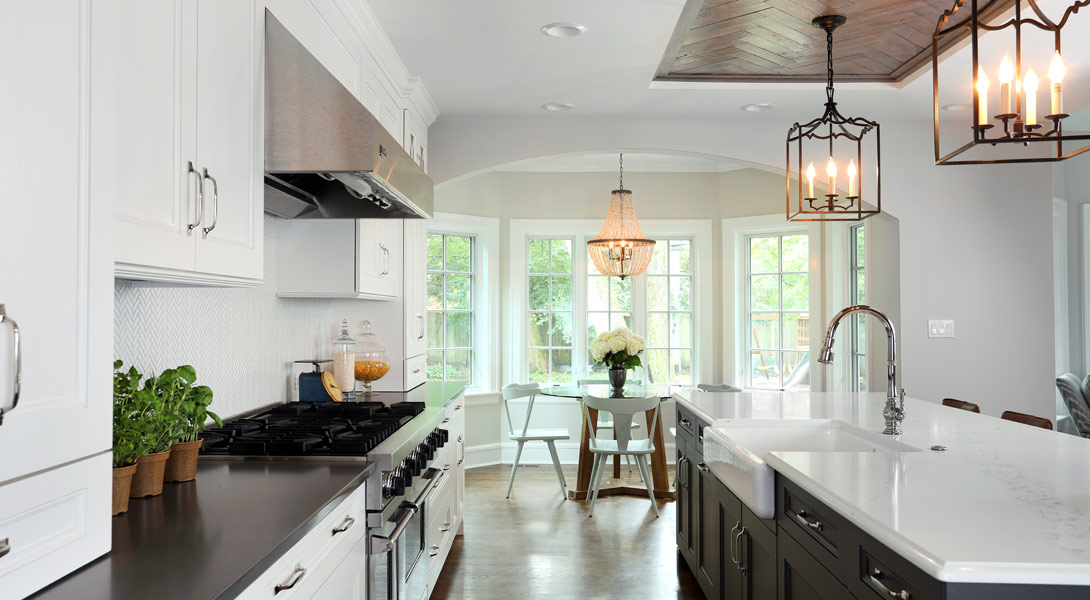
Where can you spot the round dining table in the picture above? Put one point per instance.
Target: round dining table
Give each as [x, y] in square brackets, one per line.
[659, 478]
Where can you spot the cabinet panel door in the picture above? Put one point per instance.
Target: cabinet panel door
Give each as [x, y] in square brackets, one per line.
[55, 250]
[717, 512]
[415, 288]
[143, 76]
[230, 137]
[800, 576]
[758, 559]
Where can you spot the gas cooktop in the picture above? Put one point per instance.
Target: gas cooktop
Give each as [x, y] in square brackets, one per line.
[310, 429]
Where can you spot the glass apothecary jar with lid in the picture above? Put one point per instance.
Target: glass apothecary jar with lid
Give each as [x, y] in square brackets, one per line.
[344, 360]
[371, 360]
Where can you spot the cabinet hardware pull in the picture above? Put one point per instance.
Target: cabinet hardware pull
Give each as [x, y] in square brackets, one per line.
[421, 336]
[416, 370]
[292, 580]
[804, 519]
[345, 525]
[200, 196]
[434, 551]
[738, 540]
[215, 202]
[445, 528]
[685, 423]
[5, 547]
[703, 467]
[462, 445]
[876, 579]
[702, 440]
[733, 537]
[17, 365]
[385, 257]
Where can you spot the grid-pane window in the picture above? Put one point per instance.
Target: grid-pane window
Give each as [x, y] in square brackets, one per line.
[609, 305]
[669, 354]
[549, 314]
[778, 311]
[858, 291]
[450, 307]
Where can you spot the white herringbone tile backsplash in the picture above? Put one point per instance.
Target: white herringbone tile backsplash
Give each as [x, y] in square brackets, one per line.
[241, 341]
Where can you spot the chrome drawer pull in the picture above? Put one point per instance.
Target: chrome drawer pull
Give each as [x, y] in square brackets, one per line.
[200, 196]
[685, 423]
[292, 580]
[445, 528]
[434, 551]
[703, 467]
[345, 525]
[803, 518]
[876, 579]
[733, 538]
[5, 547]
[215, 202]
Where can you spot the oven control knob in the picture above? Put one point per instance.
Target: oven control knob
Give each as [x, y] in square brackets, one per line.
[434, 442]
[443, 435]
[414, 461]
[397, 483]
[427, 451]
[405, 475]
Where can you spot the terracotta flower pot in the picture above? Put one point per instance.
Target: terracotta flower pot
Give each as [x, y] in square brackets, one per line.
[148, 480]
[122, 482]
[182, 465]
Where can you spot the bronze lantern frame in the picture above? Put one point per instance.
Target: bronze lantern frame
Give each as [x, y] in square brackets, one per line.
[1014, 130]
[833, 126]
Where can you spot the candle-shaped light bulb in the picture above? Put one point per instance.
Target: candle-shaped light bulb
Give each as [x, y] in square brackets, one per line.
[830, 170]
[1056, 76]
[851, 177]
[1029, 84]
[811, 172]
[982, 96]
[1006, 76]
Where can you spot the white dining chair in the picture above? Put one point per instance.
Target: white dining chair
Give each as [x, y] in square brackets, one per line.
[622, 410]
[604, 421]
[525, 434]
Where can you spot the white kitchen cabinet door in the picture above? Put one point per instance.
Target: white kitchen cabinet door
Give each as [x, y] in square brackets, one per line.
[378, 261]
[55, 250]
[415, 288]
[143, 82]
[230, 137]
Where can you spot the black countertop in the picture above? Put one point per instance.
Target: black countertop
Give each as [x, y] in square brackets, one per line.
[218, 533]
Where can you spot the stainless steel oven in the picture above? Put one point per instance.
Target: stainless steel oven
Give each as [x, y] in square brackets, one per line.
[398, 567]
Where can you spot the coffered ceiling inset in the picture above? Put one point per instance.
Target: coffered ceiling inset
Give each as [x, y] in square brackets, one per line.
[772, 40]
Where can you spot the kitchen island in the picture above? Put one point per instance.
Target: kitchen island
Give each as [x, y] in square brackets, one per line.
[998, 507]
[217, 535]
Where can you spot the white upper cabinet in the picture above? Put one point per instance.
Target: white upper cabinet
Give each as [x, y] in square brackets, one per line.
[416, 296]
[177, 115]
[340, 258]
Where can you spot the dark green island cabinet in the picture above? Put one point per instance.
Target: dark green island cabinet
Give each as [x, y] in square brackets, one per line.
[807, 552]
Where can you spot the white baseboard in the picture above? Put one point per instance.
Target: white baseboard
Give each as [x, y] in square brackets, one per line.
[534, 453]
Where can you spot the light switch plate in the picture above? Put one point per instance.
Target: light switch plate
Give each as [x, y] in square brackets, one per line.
[940, 328]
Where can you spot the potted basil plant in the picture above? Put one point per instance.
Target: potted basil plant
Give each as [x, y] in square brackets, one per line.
[190, 407]
[130, 441]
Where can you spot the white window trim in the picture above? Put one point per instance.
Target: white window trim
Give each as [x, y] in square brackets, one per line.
[486, 290]
[521, 230]
[734, 285]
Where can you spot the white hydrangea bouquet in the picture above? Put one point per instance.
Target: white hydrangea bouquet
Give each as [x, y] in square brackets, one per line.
[617, 348]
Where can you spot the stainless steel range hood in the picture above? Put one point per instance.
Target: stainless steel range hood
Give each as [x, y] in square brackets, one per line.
[326, 156]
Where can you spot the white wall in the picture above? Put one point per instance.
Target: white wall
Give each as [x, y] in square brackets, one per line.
[975, 241]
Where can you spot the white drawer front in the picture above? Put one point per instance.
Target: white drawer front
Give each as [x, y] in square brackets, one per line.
[54, 523]
[416, 371]
[306, 560]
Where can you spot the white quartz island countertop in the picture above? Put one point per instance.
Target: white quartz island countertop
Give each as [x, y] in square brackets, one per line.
[1006, 503]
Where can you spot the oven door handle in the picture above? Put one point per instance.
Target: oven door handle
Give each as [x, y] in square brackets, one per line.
[428, 490]
[383, 544]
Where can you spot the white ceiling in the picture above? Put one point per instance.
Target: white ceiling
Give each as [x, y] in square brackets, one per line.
[488, 58]
[633, 162]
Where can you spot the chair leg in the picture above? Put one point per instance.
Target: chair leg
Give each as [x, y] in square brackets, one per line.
[559, 471]
[628, 461]
[514, 467]
[641, 460]
[596, 483]
[593, 475]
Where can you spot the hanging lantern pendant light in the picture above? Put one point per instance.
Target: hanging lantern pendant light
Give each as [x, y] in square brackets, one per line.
[832, 126]
[620, 248]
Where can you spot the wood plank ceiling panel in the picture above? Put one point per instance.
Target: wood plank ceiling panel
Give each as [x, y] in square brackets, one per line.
[772, 40]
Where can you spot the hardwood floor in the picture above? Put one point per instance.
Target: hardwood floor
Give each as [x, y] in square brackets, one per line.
[538, 545]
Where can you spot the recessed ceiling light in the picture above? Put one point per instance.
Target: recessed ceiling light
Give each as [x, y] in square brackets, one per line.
[957, 107]
[557, 106]
[759, 107]
[563, 30]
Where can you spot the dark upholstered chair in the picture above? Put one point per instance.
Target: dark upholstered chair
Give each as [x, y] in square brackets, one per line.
[1076, 395]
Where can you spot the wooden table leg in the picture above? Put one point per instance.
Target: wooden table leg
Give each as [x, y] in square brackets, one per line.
[586, 461]
[659, 477]
[616, 457]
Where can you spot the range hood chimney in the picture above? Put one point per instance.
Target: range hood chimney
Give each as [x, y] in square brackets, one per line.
[326, 156]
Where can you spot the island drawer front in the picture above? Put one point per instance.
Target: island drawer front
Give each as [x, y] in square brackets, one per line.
[687, 424]
[801, 576]
[336, 533]
[880, 573]
[815, 526]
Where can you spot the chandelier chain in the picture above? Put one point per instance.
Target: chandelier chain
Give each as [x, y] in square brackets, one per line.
[829, 64]
[620, 179]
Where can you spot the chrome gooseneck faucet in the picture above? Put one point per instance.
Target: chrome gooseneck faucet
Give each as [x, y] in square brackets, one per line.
[895, 397]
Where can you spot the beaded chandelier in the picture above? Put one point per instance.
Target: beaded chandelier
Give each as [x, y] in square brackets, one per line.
[620, 248]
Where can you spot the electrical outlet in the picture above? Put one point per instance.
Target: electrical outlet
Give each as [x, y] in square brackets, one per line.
[940, 328]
